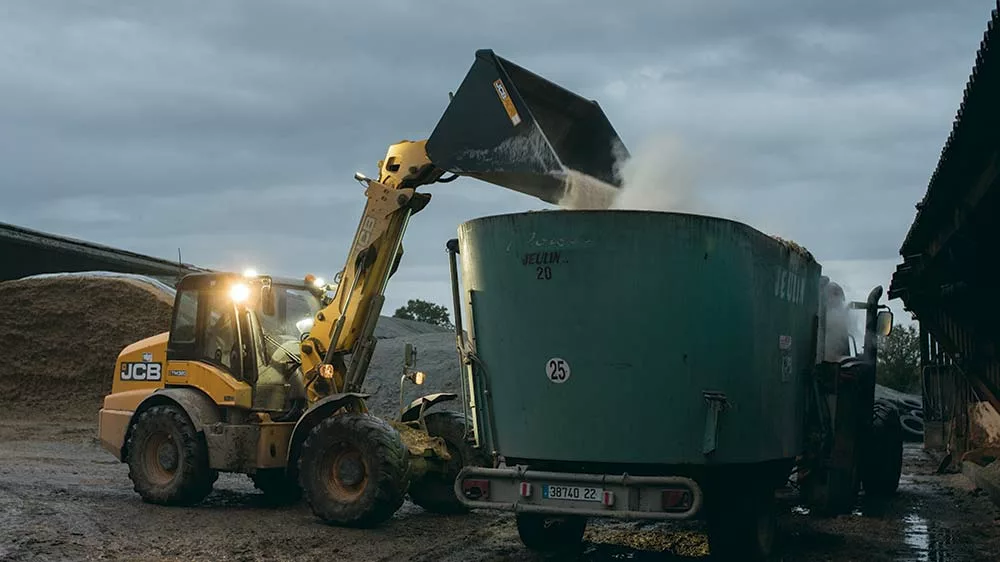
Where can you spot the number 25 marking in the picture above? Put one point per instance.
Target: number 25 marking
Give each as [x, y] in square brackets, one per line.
[557, 370]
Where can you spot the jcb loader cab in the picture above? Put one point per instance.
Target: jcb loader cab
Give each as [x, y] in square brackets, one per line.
[264, 376]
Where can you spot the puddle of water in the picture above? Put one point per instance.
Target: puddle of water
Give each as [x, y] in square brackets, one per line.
[803, 510]
[928, 542]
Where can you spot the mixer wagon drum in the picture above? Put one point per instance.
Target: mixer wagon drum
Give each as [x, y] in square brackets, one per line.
[636, 365]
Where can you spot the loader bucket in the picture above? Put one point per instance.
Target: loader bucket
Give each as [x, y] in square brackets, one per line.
[508, 126]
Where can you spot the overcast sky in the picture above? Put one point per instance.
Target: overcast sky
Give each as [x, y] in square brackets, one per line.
[232, 129]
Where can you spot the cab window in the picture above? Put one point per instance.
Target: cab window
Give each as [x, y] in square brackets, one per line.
[185, 323]
[220, 344]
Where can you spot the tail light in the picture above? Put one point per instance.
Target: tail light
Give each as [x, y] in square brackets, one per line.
[525, 489]
[476, 489]
[676, 499]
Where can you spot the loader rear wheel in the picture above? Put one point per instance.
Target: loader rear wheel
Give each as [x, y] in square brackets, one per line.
[435, 492]
[353, 470]
[167, 459]
[546, 533]
[278, 487]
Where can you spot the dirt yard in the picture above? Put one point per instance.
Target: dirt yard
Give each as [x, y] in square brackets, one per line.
[63, 498]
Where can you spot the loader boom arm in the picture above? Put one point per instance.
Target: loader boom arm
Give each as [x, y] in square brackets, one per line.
[347, 324]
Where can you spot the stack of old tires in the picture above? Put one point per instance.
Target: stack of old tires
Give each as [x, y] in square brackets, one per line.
[910, 408]
[913, 420]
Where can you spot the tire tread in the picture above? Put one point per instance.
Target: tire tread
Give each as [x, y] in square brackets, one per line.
[197, 479]
[391, 480]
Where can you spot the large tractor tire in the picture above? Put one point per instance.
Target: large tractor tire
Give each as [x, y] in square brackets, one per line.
[435, 491]
[883, 463]
[167, 459]
[354, 470]
[278, 487]
[551, 534]
[742, 524]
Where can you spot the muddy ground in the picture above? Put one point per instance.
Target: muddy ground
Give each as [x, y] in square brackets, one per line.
[63, 498]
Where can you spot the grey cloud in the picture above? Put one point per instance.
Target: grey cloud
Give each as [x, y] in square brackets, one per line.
[232, 128]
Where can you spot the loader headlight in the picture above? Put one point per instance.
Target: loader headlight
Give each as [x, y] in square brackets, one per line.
[319, 282]
[239, 293]
[416, 377]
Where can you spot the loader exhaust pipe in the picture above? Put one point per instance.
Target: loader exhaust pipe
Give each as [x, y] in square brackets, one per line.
[510, 127]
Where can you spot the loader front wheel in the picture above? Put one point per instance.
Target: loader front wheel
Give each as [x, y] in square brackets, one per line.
[167, 459]
[435, 492]
[353, 470]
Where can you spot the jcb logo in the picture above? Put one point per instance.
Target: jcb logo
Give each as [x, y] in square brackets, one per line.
[500, 89]
[141, 371]
[365, 233]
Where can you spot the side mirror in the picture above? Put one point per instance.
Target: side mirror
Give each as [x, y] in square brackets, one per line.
[267, 299]
[884, 322]
[409, 356]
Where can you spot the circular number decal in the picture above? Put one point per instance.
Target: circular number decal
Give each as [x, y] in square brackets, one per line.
[557, 370]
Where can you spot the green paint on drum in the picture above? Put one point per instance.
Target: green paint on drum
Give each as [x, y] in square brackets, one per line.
[601, 331]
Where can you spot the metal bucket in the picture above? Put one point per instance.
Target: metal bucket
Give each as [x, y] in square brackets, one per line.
[508, 126]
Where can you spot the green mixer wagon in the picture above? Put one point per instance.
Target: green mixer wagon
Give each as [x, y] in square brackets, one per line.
[651, 365]
[647, 365]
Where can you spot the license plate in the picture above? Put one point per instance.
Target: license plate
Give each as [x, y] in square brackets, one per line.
[575, 493]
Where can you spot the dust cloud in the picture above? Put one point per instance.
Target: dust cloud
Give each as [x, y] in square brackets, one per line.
[840, 324]
[657, 177]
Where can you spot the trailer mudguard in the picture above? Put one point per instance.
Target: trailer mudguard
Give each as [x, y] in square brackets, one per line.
[412, 412]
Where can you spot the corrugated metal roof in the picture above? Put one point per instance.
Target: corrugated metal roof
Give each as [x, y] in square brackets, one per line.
[976, 116]
[31, 252]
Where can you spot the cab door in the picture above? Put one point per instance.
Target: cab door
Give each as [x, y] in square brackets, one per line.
[209, 329]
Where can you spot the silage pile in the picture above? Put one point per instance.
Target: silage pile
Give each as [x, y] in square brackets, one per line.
[437, 357]
[61, 335]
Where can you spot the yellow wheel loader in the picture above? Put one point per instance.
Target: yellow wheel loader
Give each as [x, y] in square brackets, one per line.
[263, 375]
